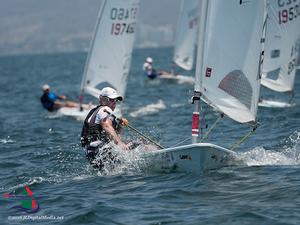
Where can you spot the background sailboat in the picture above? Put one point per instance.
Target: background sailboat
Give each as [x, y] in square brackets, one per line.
[109, 57]
[227, 76]
[281, 53]
[186, 33]
[185, 40]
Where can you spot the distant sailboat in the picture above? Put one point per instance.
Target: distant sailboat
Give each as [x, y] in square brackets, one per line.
[227, 76]
[186, 34]
[185, 40]
[109, 57]
[281, 51]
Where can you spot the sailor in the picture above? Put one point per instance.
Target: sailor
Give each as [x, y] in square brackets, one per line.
[51, 101]
[101, 127]
[148, 68]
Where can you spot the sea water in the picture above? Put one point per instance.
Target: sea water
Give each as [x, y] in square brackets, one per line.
[42, 152]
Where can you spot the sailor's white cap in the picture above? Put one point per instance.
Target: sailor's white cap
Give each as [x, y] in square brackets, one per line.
[111, 93]
[149, 60]
[45, 87]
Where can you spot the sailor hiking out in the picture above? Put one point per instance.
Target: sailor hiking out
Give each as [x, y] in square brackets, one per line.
[53, 102]
[100, 128]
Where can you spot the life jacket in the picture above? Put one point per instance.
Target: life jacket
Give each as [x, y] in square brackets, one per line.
[47, 102]
[152, 75]
[95, 132]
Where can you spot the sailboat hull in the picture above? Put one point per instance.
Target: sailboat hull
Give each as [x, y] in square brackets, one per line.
[74, 112]
[194, 158]
[274, 104]
[177, 78]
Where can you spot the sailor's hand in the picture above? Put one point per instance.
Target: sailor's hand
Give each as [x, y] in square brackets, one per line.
[64, 97]
[124, 122]
[123, 146]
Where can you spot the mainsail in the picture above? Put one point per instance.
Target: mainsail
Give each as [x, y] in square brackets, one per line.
[228, 61]
[281, 53]
[110, 52]
[186, 34]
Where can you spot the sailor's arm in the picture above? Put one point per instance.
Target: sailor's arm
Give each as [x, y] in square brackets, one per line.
[61, 97]
[108, 127]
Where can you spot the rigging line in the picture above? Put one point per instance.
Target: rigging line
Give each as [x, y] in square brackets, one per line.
[236, 144]
[182, 142]
[144, 136]
[212, 127]
[135, 130]
[292, 96]
[204, 113]
[202, 127]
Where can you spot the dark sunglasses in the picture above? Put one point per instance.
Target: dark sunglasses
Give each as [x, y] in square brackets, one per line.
[112, 100]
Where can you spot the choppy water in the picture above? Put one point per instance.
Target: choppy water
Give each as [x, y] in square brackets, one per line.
[42, 153]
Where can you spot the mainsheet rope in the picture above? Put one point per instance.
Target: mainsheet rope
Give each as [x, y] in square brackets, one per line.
[212, 127]
[236, 144]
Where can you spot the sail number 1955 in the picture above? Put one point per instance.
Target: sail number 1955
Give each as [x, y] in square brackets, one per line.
[288, 11]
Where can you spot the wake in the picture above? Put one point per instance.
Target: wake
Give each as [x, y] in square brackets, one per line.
[287, 154]
[149, 109]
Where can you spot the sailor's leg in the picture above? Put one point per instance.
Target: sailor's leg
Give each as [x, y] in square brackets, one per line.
[91, 155]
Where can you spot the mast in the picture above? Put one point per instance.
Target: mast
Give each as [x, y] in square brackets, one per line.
[199, 69]
[87, 62]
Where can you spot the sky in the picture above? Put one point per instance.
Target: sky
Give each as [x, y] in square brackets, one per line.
[46, 26]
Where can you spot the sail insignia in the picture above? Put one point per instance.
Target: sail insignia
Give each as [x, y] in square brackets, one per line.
[275, 53]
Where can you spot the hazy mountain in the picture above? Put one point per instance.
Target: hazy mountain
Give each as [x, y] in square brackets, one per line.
[38, 26]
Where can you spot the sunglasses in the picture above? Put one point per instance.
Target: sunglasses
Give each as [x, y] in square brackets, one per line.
[112, 100]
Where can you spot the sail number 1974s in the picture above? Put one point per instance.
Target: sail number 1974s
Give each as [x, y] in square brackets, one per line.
[122, 20]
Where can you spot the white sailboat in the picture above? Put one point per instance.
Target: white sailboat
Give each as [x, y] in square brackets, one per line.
[185, 40]
[186, 33]
[281, 53]
[227, 76]
[109, 57]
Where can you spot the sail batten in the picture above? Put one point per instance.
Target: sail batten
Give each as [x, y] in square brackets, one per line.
[229, 75]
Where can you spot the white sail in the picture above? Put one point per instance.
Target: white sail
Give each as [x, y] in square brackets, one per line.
[281, 52]
[229, 49]
[186, 33]
[110, 52]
